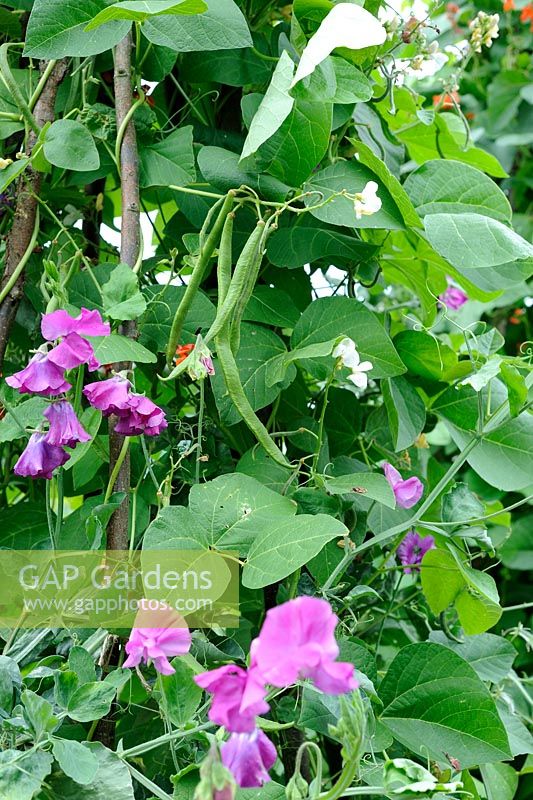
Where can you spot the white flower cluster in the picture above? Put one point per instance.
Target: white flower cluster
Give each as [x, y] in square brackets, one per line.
[485, 28]
[346, 351]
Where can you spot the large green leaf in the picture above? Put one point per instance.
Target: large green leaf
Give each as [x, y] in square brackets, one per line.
[517, 551]
[274, 109]
[113, 348]
[139, 10]
[286, 545]
[482, 249]
[170, 161]
[76, 760]
[21, 774]
[446, 580]
[234, 510]
[272, 307]
[501, 781]
[439, 187]
[434, 703]
[370, 484]
[222, 170]
[24, 527]
[425, 355]
[227, 513]
[181, 696]
[91, 701]
[259, 349]
[68, 144]
[56, 28]
[27, 414]
[308, 240]
[331, 317]
[294, 151]
[491, 656]
[351, 177]
[221, 27]
[405, 410]
[112, 781]
[504, 456]
[121, 296]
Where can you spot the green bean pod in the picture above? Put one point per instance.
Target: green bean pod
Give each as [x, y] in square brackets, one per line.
[236, 393]
[207, 249]
[243, 268]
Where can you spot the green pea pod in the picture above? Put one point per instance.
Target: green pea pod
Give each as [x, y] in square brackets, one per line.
[236, 392]
[245, 265]
[206, 252]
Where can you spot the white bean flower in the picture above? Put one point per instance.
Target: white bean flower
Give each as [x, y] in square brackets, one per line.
[346, 25]
[367, 202]
[347, 352]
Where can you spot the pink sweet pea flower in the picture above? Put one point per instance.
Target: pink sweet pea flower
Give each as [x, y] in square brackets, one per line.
[65, 428]
[151, 644]
[239, 696]
[413, 549]
[72, 351]
[141, 416]
[40, 376]
[111, 396]
[39, 459]
[249, 756]
[453, 298]
[60, 323]
[297, 640]
[407, 493]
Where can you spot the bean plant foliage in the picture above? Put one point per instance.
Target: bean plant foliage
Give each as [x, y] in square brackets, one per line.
[265, 292]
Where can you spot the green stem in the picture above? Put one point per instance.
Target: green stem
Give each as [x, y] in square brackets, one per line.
[321, 423]
[13, 86]
[42, 82]
[60, 504]
[293, 583]
[197, 276]
[23, 261]
[122, 130]
[241, 402]
[345, 780]
[198, 192]
[116, 469]
[341, 567]
[49, 517]
[145, 747]
[200, 430]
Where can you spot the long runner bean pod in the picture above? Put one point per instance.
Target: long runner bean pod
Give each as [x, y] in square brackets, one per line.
[245, 264]
[206, 252]
[249, 285]
[224, 262]
[238, 397]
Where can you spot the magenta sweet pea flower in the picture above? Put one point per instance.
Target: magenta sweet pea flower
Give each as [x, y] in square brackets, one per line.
[40, 376]
[141, 416]
[239, 696]
[39, 458]
[72, 351]
[111, 396]
[65, 428]
[157, 645]
[407, 493]
[60, 323]
[297, 640]
[413, 549]
[249, 756]
[453, 298]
